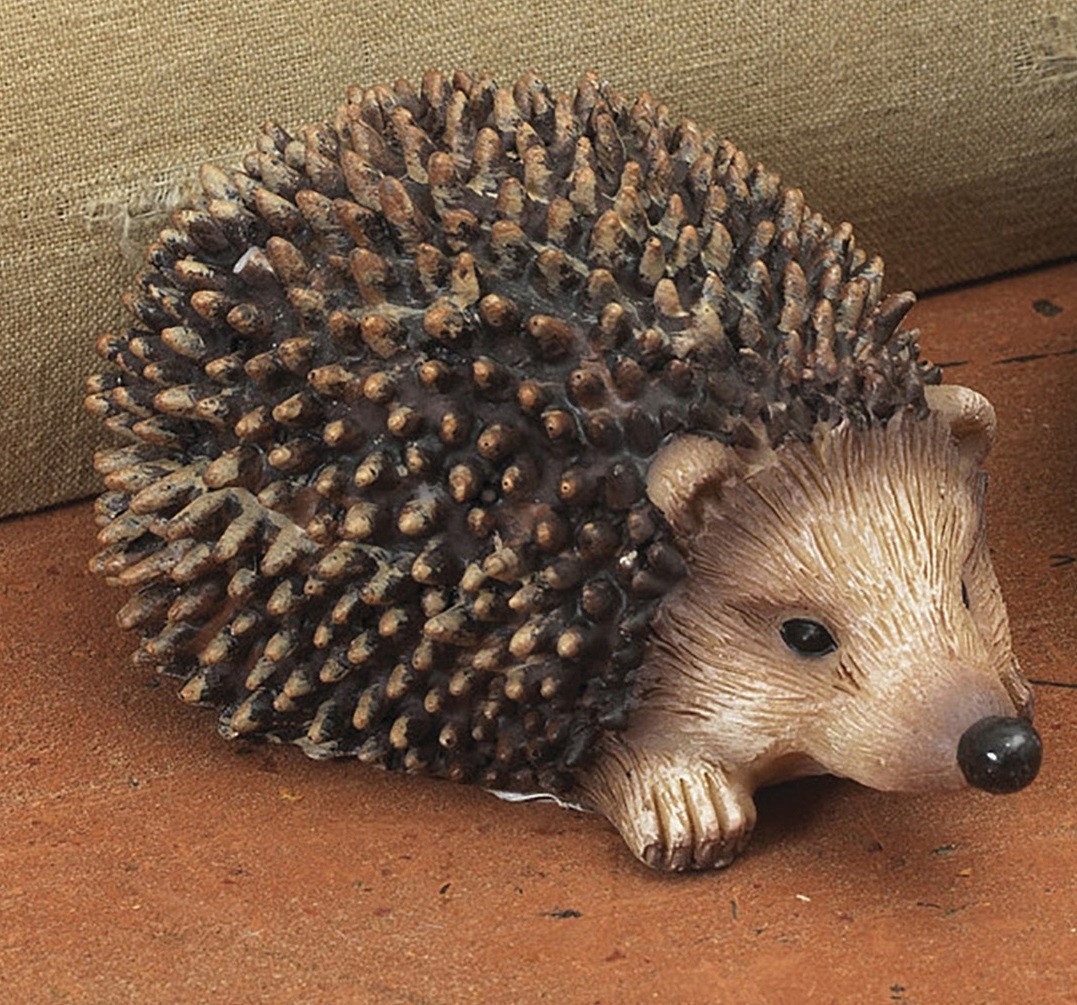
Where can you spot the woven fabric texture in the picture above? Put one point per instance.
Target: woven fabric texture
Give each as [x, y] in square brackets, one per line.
[946, 132]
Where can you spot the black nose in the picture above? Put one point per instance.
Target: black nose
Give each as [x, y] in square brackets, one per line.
[999, 754]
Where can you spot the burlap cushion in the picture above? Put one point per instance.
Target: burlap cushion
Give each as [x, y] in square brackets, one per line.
[946, 132]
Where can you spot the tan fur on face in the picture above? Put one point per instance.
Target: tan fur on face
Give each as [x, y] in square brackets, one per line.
[870, 533]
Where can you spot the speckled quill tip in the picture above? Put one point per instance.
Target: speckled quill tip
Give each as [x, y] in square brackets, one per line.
[390, 395]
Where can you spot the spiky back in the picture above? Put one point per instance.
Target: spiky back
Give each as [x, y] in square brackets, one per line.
[391, 394]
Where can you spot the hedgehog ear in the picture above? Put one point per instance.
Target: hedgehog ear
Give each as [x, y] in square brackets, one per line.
[681, 470]
[970, 415]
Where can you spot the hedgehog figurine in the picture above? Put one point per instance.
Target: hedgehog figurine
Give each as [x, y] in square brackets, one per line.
[537, 441]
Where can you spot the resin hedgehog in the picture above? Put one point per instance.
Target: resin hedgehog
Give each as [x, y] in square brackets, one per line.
[537, 441]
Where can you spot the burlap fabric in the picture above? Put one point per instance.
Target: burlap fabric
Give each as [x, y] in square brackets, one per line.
[946, 132]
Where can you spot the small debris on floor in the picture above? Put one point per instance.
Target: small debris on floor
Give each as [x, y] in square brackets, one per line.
[1046, 308]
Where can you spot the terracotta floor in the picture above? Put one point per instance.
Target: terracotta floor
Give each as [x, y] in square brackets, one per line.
[144, 860]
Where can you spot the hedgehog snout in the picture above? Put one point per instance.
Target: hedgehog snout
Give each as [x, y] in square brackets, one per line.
[999, 754]
[986, 736]
[922, 735]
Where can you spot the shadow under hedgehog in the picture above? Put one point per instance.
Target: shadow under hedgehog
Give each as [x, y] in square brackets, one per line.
[538, 441]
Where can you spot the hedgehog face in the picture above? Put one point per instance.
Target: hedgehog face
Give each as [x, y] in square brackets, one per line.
[841, 613]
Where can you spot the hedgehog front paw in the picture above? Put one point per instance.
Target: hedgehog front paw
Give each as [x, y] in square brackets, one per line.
[673, 813]
[697, 821]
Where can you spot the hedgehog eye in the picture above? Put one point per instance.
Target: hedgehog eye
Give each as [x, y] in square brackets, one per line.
[965, 595]
[807, 638]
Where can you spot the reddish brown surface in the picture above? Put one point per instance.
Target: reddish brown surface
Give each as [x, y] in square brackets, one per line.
[143, 859]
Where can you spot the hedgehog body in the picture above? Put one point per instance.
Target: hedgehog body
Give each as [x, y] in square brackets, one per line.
[393, 396]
